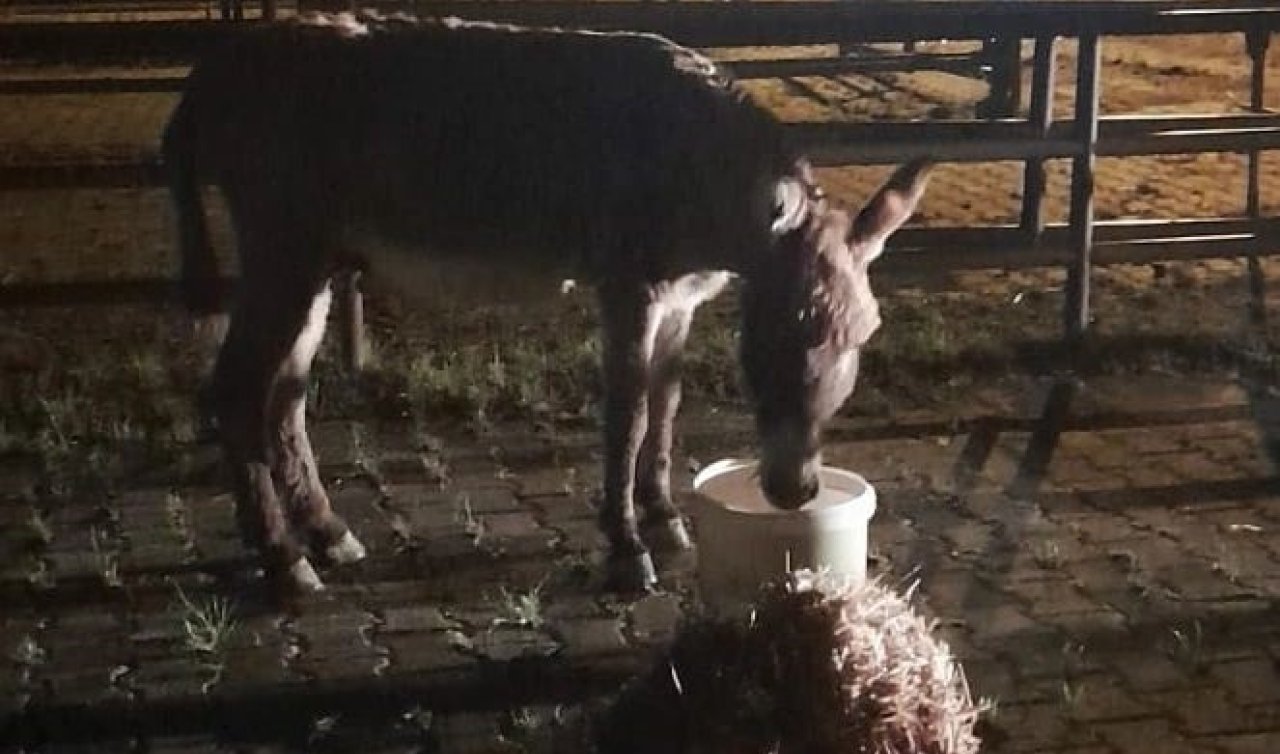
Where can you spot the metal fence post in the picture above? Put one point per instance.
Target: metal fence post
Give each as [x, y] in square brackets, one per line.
[1002, 57]
[1257, 43]
[1077, 310]
[1043, 76]
[355, 349]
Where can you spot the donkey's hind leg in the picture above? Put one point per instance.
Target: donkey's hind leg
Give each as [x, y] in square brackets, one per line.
[662, 526]
[294, 465]
[629, 317]
[263, 330]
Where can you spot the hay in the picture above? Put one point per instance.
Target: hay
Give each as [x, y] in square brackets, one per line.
[819, 668]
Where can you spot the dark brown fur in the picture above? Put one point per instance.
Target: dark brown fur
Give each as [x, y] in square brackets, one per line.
[619, 159]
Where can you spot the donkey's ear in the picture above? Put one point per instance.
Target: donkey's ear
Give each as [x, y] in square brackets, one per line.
[790, 205]
[892, 206]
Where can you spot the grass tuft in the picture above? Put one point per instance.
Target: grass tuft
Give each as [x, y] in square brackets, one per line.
[208, 623]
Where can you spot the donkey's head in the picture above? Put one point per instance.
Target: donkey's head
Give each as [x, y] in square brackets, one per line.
[807, 311]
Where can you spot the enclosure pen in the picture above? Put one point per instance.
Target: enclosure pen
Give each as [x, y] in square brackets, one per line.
[1047, 520]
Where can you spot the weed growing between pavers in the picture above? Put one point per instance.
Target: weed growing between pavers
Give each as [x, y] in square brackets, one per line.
[1186, 647]
[106, 556]
[522, 608]
[208, 625]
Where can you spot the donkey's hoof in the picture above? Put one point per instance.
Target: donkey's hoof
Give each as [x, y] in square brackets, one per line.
[666, 535]
[631, 574]
[346, 550]
[302, 577]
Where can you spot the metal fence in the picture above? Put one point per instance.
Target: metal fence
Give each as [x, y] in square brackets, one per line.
[1041, 135]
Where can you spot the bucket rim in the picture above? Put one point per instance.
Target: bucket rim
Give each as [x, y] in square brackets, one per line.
[864, 501]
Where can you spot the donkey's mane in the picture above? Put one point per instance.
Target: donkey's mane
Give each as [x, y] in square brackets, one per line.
[369, 23]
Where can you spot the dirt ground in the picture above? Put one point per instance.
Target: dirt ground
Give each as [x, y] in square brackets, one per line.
[1108, 578]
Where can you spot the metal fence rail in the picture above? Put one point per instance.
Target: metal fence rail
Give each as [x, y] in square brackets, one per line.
[1040, 136]
[712, 24]
[969, 248]
[842, 144]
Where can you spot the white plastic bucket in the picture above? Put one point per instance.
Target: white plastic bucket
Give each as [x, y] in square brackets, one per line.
[743, 540]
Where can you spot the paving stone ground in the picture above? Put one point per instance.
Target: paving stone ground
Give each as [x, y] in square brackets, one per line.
[1116, 594]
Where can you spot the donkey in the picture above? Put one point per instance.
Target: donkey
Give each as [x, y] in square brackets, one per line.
[393, 145]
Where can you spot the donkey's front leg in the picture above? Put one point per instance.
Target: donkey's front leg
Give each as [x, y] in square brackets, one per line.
[294, 466]
[629, 322]
[662, 526]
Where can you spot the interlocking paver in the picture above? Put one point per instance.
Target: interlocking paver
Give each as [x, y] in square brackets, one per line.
[1101, 698]
[474, 734]
[1037, 726]
[1081, 473]
[953, 593]
[1153, 671]
[414, 618]
[544, 482]
[482, 496]
[993, 626]
[654, 618]
[990, 678]
[424, 651]
[1097, 527]
[1197, 467]
[587, 637]
[173, 677]
[1140, 735]
[514, 524]
[1253, 680]
[578, 536]
[191, 744]
[1210, 712]
[1046, 598]
[1249, 743]
[507, 643]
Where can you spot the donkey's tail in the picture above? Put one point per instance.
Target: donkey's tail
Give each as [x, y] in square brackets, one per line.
[201, 287]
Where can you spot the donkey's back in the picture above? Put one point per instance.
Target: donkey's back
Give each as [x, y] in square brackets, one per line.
[559, 148]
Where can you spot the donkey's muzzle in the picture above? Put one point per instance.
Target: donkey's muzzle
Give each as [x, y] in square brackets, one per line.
[789, 493]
